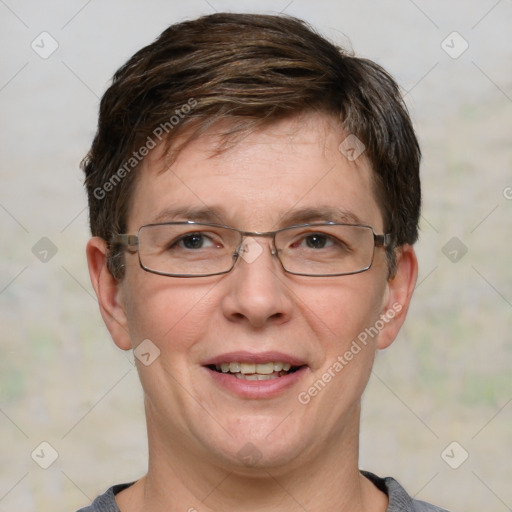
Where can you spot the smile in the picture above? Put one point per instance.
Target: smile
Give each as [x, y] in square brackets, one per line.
[256, 371]
[250, 375]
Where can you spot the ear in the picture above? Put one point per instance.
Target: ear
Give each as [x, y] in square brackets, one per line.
[398, 294]
[109, 293]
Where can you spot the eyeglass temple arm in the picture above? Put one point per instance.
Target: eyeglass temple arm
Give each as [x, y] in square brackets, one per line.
[382, 240]
[131, 242]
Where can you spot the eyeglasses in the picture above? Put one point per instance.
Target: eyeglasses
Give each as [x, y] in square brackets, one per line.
[192, 249]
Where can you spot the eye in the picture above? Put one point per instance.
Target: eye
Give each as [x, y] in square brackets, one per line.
[321, 242]
[194, 241]
[317, 241]
[314, 241]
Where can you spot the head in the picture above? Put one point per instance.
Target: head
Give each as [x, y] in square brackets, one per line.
[248, 119]
[251, 70]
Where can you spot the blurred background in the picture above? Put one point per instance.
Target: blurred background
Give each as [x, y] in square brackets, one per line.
[437, 414]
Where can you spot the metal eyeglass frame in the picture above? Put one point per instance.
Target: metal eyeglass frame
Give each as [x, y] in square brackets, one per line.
[131, 242]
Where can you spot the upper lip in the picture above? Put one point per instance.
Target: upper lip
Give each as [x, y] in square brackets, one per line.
[251, 357]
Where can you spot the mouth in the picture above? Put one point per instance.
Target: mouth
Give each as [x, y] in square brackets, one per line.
[262, 375]
[255, 371]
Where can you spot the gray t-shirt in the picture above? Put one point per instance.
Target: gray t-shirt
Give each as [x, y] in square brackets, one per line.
[399, 500]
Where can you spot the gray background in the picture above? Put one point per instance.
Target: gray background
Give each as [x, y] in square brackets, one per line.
[448, 376]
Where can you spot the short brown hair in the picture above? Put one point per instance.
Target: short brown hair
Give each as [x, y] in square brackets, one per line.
[252, 70]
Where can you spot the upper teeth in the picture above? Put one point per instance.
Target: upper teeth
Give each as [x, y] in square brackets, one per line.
[247, 368]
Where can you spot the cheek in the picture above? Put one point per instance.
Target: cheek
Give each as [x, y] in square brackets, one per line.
[339, 311]
[342, 317]
[171, 313]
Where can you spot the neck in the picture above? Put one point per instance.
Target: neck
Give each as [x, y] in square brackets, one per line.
[329, 475]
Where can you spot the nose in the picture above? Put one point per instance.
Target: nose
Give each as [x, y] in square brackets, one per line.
[256, 291]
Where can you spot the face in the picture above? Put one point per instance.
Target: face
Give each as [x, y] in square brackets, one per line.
[290, 173]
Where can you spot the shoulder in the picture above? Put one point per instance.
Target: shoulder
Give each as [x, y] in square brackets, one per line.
[106, 502]
[399, 500]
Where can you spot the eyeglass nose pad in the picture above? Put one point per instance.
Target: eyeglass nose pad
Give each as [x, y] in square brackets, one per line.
[238, 250]
[250, 249]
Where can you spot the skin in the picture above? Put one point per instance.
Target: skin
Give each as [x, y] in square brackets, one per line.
[309, 453]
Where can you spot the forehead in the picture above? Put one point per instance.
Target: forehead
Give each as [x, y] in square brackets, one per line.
[290, 171]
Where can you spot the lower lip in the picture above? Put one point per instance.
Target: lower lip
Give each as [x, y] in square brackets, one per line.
[257, 388]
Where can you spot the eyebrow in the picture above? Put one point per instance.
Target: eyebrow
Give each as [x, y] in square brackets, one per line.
[202, 214]
[319, 214]
[215, 215]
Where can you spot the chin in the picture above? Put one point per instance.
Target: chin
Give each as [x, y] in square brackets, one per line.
[252, 448]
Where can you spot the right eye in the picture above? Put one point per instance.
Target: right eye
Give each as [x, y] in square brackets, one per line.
[194, 241]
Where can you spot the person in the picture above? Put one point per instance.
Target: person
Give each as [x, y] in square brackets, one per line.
[254, 199]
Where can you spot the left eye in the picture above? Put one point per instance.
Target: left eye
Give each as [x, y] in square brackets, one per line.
[315, 241]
